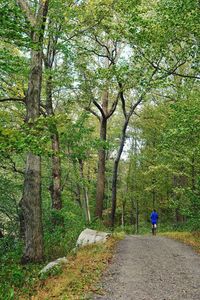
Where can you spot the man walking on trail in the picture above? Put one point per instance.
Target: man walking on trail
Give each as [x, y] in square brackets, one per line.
[154, 220]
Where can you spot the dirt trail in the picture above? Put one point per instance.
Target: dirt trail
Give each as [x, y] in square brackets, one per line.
[152, 268]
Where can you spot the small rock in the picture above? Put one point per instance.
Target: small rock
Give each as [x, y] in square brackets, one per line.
[59, 261]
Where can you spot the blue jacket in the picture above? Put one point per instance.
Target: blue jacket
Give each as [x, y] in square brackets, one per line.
[154, 217]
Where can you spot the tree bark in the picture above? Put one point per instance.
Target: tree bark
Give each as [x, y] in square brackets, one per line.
[115, 171]
[55, 189]
[49, 59]
[101, 171]
[1, 234]
[56, 173]
[85, 195]
[31, 199]
[87, 208]
[123, 214]
[32, 211]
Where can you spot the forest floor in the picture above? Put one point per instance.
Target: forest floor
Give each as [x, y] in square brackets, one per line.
[151, 268]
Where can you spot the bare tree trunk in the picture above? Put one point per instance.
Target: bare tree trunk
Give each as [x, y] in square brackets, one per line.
[31, 200]
[32, 211]
[56, 162]
[101, 171]
[56, 173]
[85, 195]
[1, 234]
[56, 187]
[115, 172]
[87, 208]
[123, 213]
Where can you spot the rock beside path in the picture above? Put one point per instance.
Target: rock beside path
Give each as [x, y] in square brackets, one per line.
[89, 236]
[51, 265]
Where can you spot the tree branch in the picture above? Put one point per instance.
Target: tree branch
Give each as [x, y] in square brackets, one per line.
[173, 71]
[184, 76]
[122, 99]
[93, 112]
[113, 108]
[98, 54]
[99, 108]
[13, 99]
[102, 45]
[133, 107]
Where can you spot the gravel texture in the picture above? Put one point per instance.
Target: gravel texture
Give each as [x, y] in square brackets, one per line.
[152, 268]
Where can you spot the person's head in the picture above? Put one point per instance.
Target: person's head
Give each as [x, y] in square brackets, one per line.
[154, 210]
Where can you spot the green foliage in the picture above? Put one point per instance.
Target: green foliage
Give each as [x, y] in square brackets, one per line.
[12, 23]
[62, 229]
[184, 124]
[10, 196]
[61, 232]
[14, 276]
[192, 211]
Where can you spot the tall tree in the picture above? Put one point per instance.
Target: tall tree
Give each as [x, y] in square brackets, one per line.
[49, 59]
[127, 116]
[102, 100]
[31, 200]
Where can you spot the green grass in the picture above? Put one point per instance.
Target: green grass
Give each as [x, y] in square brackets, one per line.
[81, 274]
[78, 278]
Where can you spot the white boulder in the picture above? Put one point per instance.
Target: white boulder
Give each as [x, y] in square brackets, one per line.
[54, 263]
[89, 236]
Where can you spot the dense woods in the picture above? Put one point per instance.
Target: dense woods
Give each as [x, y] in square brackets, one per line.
[99, 122]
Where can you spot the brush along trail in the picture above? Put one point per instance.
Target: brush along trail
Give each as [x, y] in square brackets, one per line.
[152, 268]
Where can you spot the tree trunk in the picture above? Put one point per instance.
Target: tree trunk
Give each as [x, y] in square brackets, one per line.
[56, 173]
[115, 172]
[21, 221]
[56, 161]
[123, 214]
[31, 200]
[87, 208]
[85, 195]
[32, 211]
[1, 234]
[101, 171]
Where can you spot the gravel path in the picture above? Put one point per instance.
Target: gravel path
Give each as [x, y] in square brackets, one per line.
[152, 268]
